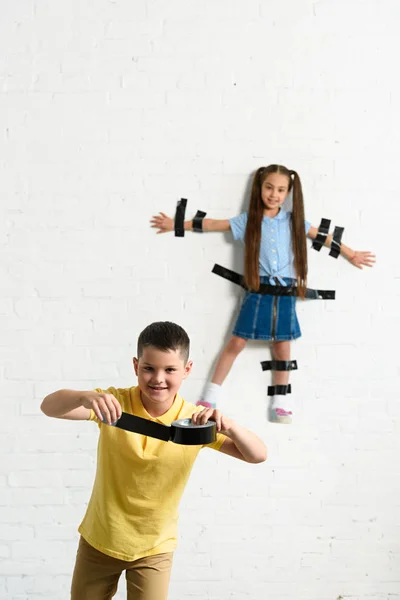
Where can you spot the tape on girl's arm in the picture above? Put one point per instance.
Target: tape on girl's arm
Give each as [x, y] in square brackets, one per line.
[179, 224]
[336, 242]
[197, 222]
[180, 432]
[322, 234]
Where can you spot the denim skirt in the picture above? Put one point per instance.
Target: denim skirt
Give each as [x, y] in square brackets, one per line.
[264, 317]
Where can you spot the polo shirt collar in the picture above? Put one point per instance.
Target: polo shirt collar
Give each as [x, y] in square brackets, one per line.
[138, 409]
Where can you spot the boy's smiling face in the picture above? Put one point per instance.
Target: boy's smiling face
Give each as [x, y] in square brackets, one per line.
[160, 374]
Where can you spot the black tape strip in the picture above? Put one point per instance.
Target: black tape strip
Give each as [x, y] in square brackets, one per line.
[197, 222]
[179, 432]
[336, 242]
[179, 224]
[320, 294]
[143, 426]
[273, 290]
[279, 365]
[228, 274]
[323, 231]
[279, 390]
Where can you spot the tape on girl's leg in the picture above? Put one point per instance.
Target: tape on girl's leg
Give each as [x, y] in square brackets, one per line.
[279, 390]
[279, 365]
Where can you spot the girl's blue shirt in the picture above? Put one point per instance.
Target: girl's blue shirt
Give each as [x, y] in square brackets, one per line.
[276, 252]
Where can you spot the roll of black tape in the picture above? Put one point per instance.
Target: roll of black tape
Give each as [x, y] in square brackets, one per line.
[184, 432]
[180, 432]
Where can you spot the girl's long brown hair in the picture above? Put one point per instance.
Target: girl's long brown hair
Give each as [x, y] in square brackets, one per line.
[253, 229]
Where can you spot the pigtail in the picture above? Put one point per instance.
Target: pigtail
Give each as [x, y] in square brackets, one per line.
[253, 234]
[299, 241]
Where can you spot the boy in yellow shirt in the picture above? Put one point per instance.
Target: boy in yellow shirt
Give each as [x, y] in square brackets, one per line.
[131, 520]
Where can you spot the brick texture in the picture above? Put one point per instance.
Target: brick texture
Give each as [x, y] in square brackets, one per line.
[113, 110]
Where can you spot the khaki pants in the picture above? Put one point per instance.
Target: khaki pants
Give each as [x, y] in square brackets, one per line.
[96, 575]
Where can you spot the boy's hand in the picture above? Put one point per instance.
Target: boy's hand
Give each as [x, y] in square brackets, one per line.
[105, 406]
[162, 222]
[224, 425]
[360, 259]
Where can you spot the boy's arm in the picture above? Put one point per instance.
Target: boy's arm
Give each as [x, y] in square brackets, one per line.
[244, 444]
[76, 405]
[355, 257]
[164, 223]
[240, 443]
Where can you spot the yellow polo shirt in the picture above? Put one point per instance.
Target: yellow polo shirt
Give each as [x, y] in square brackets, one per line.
[133, 509]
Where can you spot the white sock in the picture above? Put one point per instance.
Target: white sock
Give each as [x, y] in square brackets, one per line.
[282, 401]
[212, 393]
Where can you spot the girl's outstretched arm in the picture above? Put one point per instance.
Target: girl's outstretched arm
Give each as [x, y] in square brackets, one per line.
[164, 223]
[355, 257]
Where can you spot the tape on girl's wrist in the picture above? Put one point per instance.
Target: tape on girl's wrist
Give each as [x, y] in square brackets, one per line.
[179, 223]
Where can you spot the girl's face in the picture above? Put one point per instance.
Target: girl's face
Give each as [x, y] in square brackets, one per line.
[274, 190]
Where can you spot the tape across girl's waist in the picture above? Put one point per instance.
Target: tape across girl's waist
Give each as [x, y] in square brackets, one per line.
[273, 290]
[181, 431]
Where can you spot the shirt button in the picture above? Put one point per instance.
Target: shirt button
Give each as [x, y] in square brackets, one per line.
[272, 240]
[273, 250]
[272, 230]
[274, 262]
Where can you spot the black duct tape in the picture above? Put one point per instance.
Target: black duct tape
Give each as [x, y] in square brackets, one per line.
[179, 224]
[279, 365]
[273, 290]
[323, 231]
[197, 222]
[279, 390]
[336, 242]
[179, 432]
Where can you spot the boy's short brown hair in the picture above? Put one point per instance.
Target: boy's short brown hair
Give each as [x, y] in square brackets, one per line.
[164, 335]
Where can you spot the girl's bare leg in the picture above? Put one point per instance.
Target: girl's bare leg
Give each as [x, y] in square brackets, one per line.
[281, 411]
[281, 351]
[224, 364]
[227, 358]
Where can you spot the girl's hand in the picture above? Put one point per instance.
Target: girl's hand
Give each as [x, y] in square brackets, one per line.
[360, 259]
[162, 222]
[224, 425]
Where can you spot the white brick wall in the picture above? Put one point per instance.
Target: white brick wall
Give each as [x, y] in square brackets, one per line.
[112, 110]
